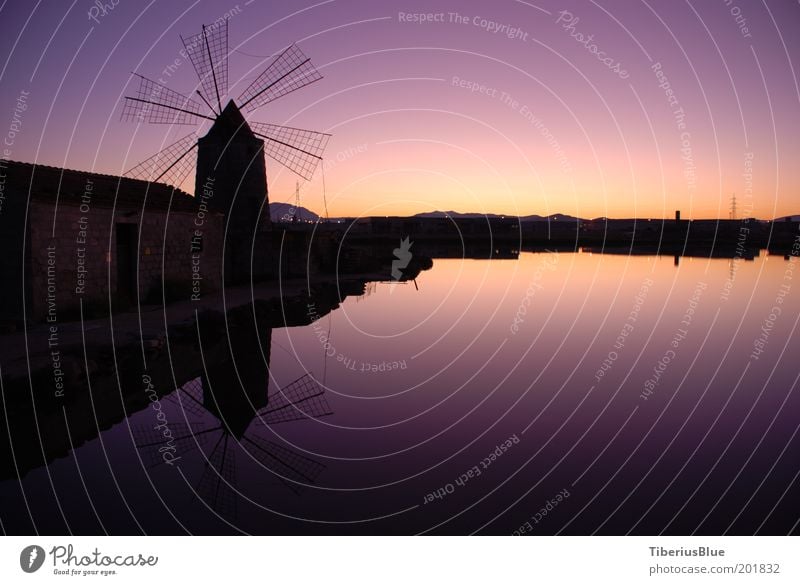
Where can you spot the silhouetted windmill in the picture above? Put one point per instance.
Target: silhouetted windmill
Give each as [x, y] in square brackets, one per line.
[233, 424]
[231, 173]
[298, 149]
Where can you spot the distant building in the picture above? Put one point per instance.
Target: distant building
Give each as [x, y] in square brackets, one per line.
[70, 236]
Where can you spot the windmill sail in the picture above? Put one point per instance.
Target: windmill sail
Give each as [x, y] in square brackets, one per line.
[157, 104]
[286, 464]
[216, 485]
[153, 442]
[171, 165]
[208, 52]
[289, 71]
[303, 398]
[189, 398]
[297, 149]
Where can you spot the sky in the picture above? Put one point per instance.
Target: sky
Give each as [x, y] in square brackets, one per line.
[593, 109]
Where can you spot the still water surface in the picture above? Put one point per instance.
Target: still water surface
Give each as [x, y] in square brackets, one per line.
[558, 393]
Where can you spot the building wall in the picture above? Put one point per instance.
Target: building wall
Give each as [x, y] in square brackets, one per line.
[12, 242]
[80, 259]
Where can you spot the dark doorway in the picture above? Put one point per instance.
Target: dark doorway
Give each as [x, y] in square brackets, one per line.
[126, 264]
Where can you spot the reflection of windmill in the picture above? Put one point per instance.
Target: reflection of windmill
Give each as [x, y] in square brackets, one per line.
[231, 173]
[228, 402]
[234, 424]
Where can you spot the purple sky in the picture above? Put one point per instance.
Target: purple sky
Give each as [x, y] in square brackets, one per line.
[573, 134]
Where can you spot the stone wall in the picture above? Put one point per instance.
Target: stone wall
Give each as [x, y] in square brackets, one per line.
[80, 259]
[13, 240]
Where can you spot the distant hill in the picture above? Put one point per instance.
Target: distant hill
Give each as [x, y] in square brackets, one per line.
[439, 214]
[285, 211]
[524, 218]
[553, 217]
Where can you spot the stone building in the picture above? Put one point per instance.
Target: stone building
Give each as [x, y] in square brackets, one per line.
[70, 236]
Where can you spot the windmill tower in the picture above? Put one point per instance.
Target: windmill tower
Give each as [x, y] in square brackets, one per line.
[231, 171]
[732, 214]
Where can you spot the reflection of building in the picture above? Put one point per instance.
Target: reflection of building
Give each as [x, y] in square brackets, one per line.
[228, 386]
[71, 235]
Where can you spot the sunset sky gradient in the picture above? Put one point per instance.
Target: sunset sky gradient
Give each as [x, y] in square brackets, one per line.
[549, 128]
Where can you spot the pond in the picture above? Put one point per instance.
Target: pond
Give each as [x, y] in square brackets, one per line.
[555, 393]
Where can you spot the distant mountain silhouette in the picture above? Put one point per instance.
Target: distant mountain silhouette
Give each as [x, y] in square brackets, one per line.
[524, 218]
[553, 217]
[285, 211]
[454, 214]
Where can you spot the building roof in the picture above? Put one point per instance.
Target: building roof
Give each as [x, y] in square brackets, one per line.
[48, 184]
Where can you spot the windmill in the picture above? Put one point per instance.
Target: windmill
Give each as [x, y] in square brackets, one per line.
[234, 427]
[231, 171]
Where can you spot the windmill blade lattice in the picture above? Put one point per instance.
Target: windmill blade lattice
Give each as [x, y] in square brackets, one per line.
[282, 461]
[297, 149]
[152, 442]
[189, 398]
[215, 487]
[208, 52]
[289, 71]
[303, 398]
[157, 104]
[171, 165]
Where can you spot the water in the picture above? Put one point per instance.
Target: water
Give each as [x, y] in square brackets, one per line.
[494, 396]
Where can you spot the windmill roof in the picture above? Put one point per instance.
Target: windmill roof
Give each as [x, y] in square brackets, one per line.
[48, 184]
[230, 123]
